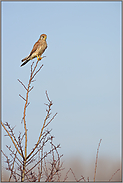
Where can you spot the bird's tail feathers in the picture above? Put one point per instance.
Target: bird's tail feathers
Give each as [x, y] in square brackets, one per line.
[27, 58]
[25, 62]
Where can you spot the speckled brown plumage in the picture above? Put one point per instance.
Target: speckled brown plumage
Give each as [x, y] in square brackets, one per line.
[38, 49]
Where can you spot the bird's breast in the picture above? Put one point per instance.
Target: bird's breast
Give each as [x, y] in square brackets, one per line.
[42, 48]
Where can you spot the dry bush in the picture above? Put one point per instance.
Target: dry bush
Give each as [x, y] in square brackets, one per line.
[33, 166]
[36, 165]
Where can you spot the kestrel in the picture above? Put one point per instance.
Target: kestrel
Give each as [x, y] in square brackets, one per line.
[38, 49]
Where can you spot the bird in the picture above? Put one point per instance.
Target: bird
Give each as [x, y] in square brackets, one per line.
[38, 49]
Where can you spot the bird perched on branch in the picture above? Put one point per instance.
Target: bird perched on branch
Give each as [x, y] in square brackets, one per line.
[38, 49]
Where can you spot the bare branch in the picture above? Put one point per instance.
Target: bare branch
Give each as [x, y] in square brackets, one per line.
[31, 88]
[96, 159]
[22, 84]
[72, 173]
[113, 174]
[42, 158]
[22, 97]
[11, 139]
[47, 116]
[48, 97]
[51, 120]
[37, 71]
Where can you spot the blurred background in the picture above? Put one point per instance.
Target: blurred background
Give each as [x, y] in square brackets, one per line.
[81, 72]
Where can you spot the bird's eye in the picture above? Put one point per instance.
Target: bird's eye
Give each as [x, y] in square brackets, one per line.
[42, 37]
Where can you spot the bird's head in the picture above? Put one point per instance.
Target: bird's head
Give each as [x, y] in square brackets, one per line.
[43, 37]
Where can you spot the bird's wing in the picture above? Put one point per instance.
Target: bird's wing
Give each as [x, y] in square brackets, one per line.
[36, 45]
[33, 50]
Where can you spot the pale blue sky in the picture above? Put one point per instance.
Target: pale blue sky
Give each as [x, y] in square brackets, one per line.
[82, 73]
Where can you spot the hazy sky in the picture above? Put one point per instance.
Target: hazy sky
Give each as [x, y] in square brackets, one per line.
[82, 73]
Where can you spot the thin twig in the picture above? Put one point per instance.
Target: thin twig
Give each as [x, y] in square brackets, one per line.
[43, 158]
[97, 159]
[22, 97]
[114, 174]
[11, 139]
[72, 173]
[12, 167]
[51, 120]
[47, 116]
[22, 84]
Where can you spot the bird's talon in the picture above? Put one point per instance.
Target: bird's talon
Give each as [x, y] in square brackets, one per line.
[40, 57]
[37, 58]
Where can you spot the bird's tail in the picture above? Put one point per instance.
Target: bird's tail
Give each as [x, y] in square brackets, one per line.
[25, 62]
[26, 58]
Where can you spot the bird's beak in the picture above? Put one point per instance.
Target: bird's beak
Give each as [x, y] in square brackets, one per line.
[45, 37]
